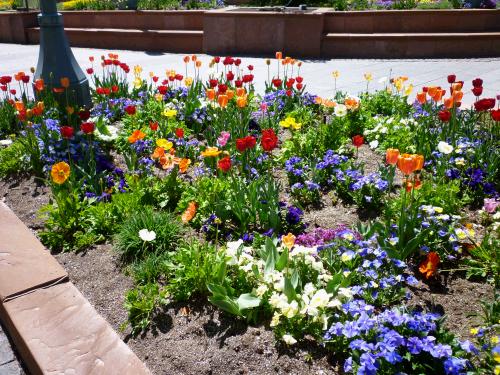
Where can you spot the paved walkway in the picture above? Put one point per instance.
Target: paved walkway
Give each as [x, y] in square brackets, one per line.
[9, 364]
[316, 73]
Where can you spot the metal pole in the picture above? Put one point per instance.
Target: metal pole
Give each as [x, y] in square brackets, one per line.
[55, 59]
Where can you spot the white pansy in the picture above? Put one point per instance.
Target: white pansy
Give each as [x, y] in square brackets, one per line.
[290, 309]
[345, 292]
[347, 256]
[340, 110]
[373, 144]
[334, 303]
[445, 148]
[275, 320]
[320, 299]
[261, 289]
[289, 339]
[309, 289]
[5, 142]
[438, 209]
[147, 235]
[111, 136]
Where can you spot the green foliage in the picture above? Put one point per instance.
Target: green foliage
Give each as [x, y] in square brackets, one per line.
[167, 227]
[7, 120]
[193, 267]
[13, 159]
[142, 303]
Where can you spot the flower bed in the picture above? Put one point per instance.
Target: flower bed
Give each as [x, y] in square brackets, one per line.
[206, 190]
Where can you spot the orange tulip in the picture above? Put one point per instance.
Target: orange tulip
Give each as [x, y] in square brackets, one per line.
[448, 103]
[432, 91]
[210, 94]
[19, 76]
[279, 55]
[429, 266]
[457, 86]
[186, 59]
[288, 240]
[230, 94]
[65, 82]
[198, 64]
[190, 212]
[194, 58]
[39, 84]
[351, 103]
[419, 162]
[240, 91]
[457, 96]
[241, 101]
[439, 95]
[422, 97]
[406, 164]
[19, 106]
[222, 100]
[391, 156]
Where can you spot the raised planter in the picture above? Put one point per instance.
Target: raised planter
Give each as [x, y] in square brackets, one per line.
[317, 33]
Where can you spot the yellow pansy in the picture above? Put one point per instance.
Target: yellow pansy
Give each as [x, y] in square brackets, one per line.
[290, 122]
[169, 113]
[164, 143]
[210, 152]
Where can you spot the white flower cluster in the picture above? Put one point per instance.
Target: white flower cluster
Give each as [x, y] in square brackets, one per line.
[314, 303]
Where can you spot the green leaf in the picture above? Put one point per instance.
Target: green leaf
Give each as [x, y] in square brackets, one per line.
[217, 290]
[247, 301]
[289, 290]
[295, 278]
[225, 304]
[282, 260]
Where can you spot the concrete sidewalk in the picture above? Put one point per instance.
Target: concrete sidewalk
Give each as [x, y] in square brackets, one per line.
[316, 73]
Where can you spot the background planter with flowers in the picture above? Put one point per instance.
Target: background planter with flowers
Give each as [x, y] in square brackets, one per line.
[319, 32]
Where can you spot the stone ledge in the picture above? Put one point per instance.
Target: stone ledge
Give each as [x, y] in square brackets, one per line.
[25, 264]
[57, 331]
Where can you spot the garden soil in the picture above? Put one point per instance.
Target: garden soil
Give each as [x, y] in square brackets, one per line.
[196, 338]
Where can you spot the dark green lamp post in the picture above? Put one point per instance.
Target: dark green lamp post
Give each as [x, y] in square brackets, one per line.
[55, 59]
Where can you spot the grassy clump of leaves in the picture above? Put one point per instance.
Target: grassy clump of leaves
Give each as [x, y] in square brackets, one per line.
[168, 229]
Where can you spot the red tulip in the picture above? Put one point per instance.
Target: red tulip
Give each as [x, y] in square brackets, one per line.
[358, 140]
[153, 125]
[90, 71]
[130, 109]
[66, 131]
[84, 114]
[87, 127]
[452, 78]
[478, 82]
[495, 115]
[484, 104]
[477, 91]
[224, 164]
[444, 115]
[269, 140]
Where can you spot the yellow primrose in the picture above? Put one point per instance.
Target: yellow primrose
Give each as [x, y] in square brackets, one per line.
[165, 144]
[474, 331]
[169, 113]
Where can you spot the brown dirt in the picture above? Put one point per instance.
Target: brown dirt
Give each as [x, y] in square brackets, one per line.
[204, 340]
[456, 297]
